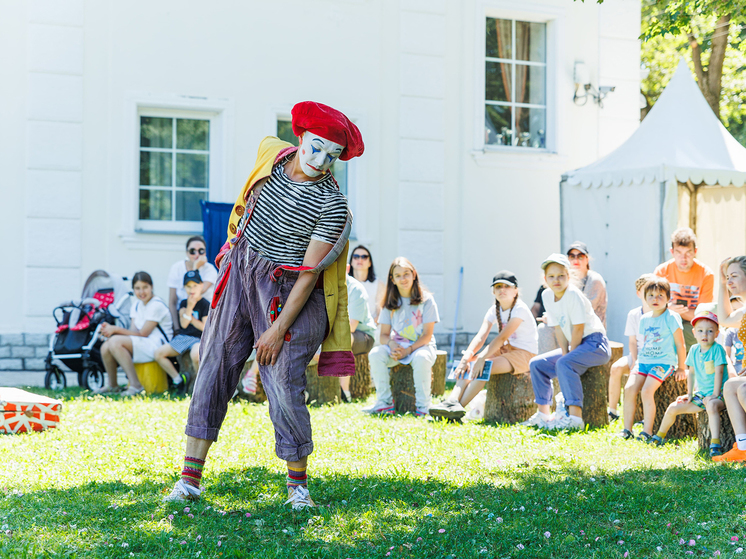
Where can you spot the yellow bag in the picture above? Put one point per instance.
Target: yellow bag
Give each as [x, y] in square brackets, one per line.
[153, 379]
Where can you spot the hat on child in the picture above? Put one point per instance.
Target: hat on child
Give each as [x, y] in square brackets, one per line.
[556, 258]
[506, 277]
[577, 245]
[709, 315]
[192, 275]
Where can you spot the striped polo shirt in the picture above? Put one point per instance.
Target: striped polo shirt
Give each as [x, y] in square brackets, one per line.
[289, 214]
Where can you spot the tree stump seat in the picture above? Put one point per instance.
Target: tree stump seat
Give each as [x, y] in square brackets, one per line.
[402, 383]
[185, 365]
[360, 385]
[321, 390]
[685, 425]
[510, 398]
[727, 435]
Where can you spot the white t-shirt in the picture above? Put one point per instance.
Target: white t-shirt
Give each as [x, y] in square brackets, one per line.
[371, 288]
[573, 308]
[157, 311]
[525, 337]
[632, 328]
[207, 272]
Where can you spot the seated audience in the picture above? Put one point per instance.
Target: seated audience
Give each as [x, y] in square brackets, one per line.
[627, 365]
[510, 351]
[662, 354]
[407, 322]
[196, 259]
[361, 268]
[707, 363]
[362, 326]
[583, 344]
[733, 346]
[733, 280]
[192, 317]
[151, 327]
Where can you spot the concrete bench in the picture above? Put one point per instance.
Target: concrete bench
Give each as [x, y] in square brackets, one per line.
[402, 383]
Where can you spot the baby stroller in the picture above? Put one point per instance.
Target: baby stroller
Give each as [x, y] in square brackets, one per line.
[76, 342]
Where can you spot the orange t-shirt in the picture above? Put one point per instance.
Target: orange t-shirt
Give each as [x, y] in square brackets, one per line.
[694, 286]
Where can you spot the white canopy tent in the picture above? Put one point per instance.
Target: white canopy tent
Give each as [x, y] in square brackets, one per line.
[680, 167]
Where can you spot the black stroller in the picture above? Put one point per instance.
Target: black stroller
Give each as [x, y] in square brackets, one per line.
[76, 343]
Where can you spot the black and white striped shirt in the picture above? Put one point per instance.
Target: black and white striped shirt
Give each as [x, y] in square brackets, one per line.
[289, 214]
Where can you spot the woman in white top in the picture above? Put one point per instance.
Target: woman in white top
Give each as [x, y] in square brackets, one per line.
[196, 259]
[510, 352]
[591, 283]
[151, 328]
[361, 268]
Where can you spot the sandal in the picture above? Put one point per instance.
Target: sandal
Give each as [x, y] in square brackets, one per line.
[133, 391]
[108, 390]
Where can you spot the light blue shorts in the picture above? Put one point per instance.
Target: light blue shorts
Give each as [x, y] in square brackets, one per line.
[658, 372]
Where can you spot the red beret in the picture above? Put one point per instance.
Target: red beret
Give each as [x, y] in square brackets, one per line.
[330, 124]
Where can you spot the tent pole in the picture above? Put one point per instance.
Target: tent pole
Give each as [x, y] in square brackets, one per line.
[662, 249]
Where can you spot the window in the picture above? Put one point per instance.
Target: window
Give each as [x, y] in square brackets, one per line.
[339, 169]
[515, 111]
[174, 171]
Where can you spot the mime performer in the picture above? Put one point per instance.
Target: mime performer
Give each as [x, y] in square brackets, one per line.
[281, 290]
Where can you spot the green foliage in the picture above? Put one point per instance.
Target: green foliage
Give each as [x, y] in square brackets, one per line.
[400, 486]
[679, 17]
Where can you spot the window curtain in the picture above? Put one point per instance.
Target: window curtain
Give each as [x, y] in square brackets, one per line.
[523, 40]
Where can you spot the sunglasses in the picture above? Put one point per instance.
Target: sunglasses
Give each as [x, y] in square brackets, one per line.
[576, 256]
[196, 251]
[360, 256]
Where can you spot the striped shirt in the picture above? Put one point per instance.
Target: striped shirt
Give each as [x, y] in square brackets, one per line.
[288, 215]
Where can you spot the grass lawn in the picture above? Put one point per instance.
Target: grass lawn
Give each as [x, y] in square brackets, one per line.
[394, 487]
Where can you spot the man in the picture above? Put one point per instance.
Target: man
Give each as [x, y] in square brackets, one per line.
[281, 290]
[691, 281]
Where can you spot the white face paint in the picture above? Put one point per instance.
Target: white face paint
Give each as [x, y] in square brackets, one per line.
[316, 154]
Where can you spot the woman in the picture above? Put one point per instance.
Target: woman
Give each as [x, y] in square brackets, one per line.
[361, 268]
[151, 328]
[589, 282]
[196, 259]
[733, 280]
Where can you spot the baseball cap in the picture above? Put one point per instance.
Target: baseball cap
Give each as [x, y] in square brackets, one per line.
[556, 258]
[709, 312]
[506, 277]
[192, 275]
[577, 245]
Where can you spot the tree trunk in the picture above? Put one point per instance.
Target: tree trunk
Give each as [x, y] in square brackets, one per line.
[710, 79]
[321, 390]
[727, 436]
[402, 384]
[685, 426]
[510, 398]
[185, 364]
[595, 382]
[360, 383]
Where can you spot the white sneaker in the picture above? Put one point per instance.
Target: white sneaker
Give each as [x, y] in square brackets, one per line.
[567, 423]
[299, 497]
[539, 419]
[379, 408]
[182, 491]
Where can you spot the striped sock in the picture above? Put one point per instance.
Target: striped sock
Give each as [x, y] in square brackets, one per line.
[297, 477]
[192, 472]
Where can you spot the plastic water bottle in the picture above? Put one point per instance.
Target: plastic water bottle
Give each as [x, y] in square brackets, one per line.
[561, 409]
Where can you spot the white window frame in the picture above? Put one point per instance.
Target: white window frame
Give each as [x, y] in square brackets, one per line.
[353, 172]
[520, 11]
[219, 112]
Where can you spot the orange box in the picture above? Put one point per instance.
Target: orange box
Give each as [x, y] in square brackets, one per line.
[22, 411]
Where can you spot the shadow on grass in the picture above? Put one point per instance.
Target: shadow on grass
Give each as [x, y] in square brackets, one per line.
[584, 515]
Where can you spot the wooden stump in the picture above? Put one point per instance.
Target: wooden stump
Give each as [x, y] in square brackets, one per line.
[185, 364]
[257, 397]
[360, 383]
[321, 390]
[402, 383]
[727, 436]
[510, 398]
[685, 425]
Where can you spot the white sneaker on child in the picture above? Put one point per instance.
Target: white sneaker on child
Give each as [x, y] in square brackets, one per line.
[566, 423]
[539, 419]
[182, 491]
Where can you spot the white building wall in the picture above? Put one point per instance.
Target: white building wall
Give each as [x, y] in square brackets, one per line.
[407, 71]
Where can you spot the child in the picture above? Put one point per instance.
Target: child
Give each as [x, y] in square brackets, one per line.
[733, 346]
[627, 364]
[407, 321]
[192, 314]
[661, 354]
[583, 344]
[515, 345]
[706, 362]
